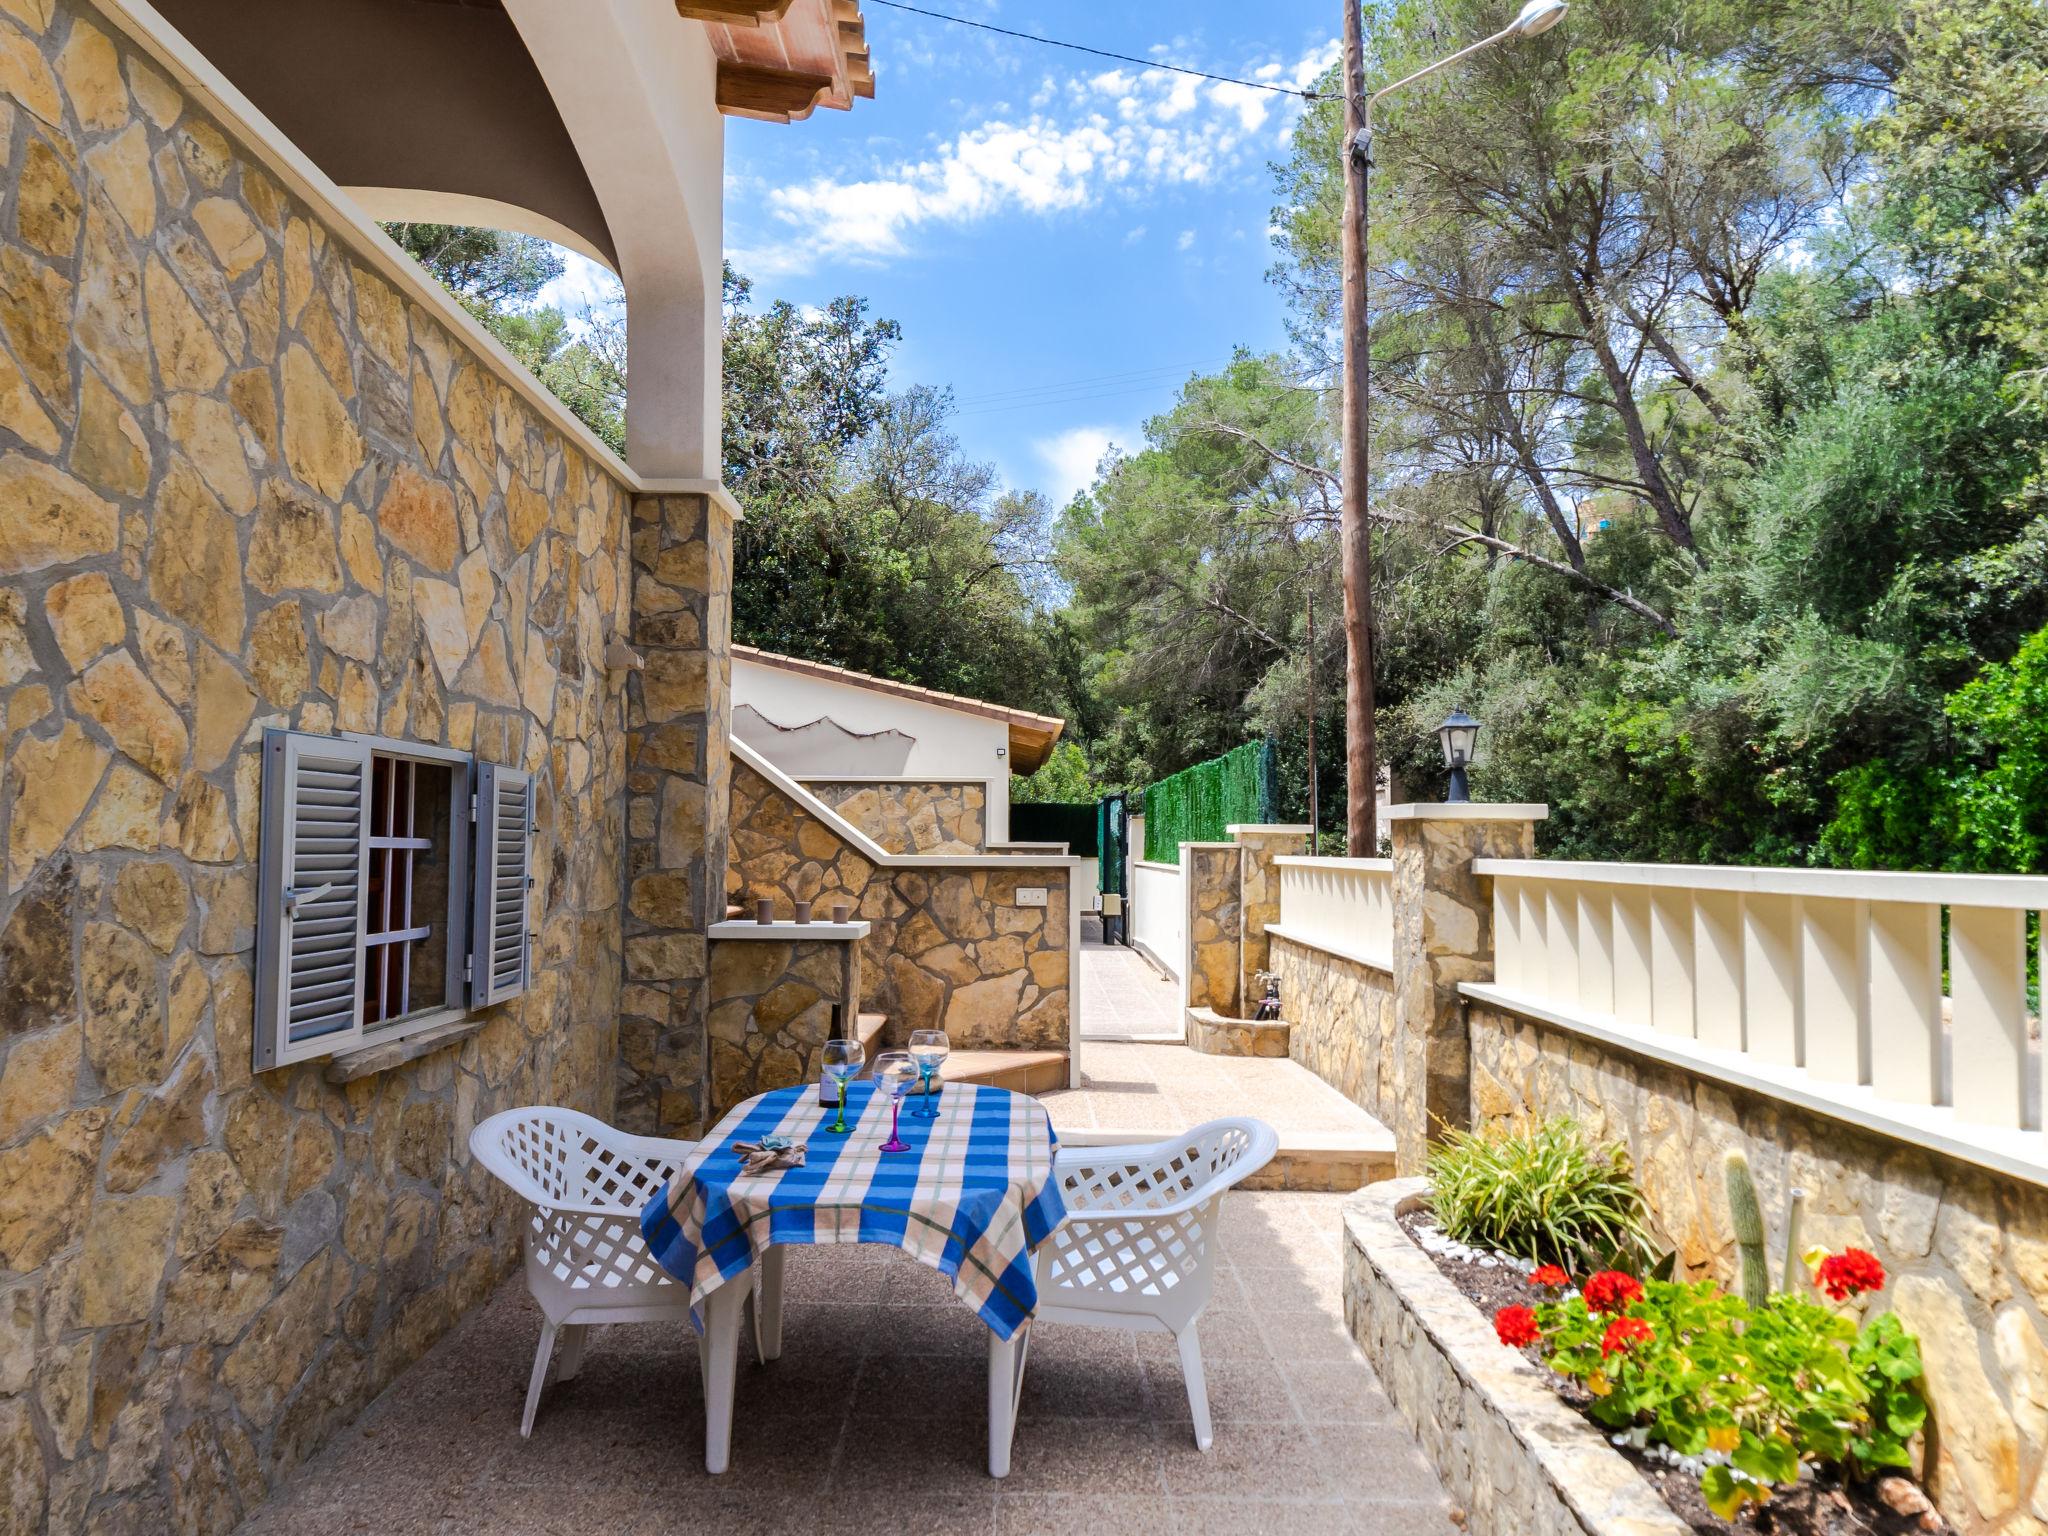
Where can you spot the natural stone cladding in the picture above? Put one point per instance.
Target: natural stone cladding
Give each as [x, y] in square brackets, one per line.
[1967, 1249]
[950, 948]
[1510, 1452]
[1213, 1035]
[912, 818]
[771, 1007]
[679, 709]
[247, 483]
[1215, 943]
[1340, 1016]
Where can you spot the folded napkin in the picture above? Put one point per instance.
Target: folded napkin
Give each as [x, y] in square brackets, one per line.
[769, 1153]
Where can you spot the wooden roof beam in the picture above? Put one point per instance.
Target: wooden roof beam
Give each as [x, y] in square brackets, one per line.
[780, 95]
[735, 13]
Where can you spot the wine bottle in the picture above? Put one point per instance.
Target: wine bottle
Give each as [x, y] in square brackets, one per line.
[828, 1090]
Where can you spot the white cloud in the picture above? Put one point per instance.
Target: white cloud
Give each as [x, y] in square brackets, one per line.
[1069, 458]
[1134, 234]
[1126, 131]
[1186, 240]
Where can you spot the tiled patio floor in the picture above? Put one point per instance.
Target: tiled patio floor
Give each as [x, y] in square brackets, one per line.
[1167, 1088]
[874, 1420]
[1122, 996]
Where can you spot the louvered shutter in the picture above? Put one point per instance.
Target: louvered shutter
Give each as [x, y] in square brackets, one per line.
[312, 896]
[499, 959]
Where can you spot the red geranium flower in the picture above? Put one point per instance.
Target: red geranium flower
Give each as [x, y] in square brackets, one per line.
[1849, 1273]
[1623, 1334]
[1549, 1274]
[1612, 1291]
[1516, 1326]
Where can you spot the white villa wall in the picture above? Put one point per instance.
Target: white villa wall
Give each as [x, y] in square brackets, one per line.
[1159, 914]
[950, 743]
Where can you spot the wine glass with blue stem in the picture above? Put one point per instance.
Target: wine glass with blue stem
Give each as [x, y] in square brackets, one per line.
[928, 1048]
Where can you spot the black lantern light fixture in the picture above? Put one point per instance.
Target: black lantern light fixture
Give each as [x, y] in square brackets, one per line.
[1459, 733]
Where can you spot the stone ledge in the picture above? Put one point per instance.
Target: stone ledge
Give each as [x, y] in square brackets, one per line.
[386, 1054]
[1508, 1449]
[1214, 1035]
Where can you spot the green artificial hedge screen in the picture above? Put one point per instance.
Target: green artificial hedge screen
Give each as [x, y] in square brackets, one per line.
[1200, 804]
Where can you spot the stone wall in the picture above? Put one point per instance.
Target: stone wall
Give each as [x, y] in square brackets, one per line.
[1215, 943]
[247, 484]
[1967, 1249]
[771, 1007]
[912, 818]
[1512, 1455]
[950, 948]
[1340, 1017]
[679, 710]
[1443, 938]
[1259, 899]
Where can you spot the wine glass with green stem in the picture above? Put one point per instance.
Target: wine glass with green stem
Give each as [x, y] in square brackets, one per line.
[841, 1061]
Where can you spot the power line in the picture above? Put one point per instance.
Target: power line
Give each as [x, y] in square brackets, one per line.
[1103, 53]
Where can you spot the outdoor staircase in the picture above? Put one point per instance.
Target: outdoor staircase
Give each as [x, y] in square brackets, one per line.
[1020, 1071]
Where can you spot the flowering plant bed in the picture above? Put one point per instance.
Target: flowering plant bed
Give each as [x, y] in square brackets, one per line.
[1784, 1417]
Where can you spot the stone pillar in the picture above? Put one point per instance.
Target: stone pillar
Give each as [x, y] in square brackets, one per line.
[1214, 951]
[1258, 885]
[678, 781]
[1443, 936]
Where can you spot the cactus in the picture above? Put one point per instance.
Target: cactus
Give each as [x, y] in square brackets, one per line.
[1795, 1265]
[1747, 1217]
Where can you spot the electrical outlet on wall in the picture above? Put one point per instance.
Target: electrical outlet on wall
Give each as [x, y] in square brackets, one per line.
[1030, 895]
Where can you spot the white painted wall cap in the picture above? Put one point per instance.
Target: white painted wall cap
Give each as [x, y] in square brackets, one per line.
[1466, 810]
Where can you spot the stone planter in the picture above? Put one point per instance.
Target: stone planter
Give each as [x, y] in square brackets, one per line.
[1508, 1450]
[1214, 1035]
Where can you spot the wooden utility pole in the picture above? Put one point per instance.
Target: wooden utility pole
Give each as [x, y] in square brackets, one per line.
[1360, 758]
[1315, 799]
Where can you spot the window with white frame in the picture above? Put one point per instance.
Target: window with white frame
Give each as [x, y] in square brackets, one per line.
[392, 891]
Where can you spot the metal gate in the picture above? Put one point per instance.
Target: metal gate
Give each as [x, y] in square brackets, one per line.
[1113, 846]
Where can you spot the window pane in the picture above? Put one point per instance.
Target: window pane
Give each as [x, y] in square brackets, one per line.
[407, 941]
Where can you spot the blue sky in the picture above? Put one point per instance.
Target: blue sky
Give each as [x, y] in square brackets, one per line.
[1062, 239]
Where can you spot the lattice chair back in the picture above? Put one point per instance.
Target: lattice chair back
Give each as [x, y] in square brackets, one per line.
[587, 1182]
[1140, 1235]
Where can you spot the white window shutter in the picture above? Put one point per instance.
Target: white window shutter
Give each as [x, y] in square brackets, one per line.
[500, 946]
[312, 896]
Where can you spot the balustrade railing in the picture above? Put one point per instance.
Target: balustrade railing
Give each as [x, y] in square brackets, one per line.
[1916, 987]
[1345, 906]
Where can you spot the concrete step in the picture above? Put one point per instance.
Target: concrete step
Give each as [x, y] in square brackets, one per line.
[1321, 1161]
[1020, 1071]
[868, 1029]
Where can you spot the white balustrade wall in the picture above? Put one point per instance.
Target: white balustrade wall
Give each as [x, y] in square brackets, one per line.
[1906, 989]
[1159, 912]
[1345, 906]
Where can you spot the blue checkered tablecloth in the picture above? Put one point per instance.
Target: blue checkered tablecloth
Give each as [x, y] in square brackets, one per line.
[972, 1197]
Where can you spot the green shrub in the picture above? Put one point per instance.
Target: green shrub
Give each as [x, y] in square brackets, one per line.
[1544, 1193]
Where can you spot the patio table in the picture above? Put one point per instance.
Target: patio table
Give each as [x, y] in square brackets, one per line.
[972, 1197]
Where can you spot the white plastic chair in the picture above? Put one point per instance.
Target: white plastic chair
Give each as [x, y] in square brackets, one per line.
[586, 1262]
[1138, 1247]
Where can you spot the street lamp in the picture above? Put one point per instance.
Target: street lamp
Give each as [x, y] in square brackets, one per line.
[1459, 734]
[1535, 18]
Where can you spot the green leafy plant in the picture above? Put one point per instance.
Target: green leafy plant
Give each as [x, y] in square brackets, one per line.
[1751, 1391]
[1543, 1192]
